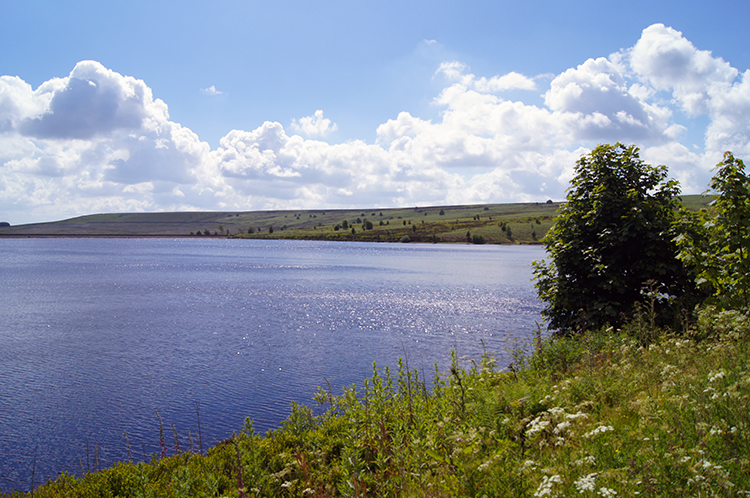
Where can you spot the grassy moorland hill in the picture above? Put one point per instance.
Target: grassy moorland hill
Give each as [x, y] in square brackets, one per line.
[490, 223]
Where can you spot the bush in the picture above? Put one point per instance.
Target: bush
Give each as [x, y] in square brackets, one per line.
[611, 236]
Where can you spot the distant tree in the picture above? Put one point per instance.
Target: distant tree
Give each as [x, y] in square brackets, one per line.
[610, 238]
[250, 230]
[353, 231]
[442, 212]
[221, 229]
[206, 232]
[345, 225]
[477, 239]
[368, 225]
[468, 237]
[414, 228]
[270, 229]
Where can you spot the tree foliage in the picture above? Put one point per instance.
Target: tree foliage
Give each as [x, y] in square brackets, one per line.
[717, 242]
[610, 239]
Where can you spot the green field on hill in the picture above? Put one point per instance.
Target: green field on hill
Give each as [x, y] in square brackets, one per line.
[523, 223]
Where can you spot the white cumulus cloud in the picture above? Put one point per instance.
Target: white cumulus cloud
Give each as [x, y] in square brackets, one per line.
[211, 91]
[98, 141]
[315, 125]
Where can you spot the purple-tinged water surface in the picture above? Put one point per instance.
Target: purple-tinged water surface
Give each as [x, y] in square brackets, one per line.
[97, 335]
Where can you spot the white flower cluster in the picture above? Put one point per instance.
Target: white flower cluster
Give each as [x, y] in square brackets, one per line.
[586, 483]
[716, 376]
[536, 426]
[545, 488]
[588, 460]
[599, 430]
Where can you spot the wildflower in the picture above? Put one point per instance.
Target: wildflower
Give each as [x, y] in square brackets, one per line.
[308, 491]
[591, 460]
[599, 430]
[607, 492]
[716, 376]
[536, 426]
[575, 416]
[286, 484]
[561, 427]
[528, 464]
[545, 488]
[586, 483]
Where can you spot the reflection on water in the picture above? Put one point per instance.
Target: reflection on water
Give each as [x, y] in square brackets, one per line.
[97, 335]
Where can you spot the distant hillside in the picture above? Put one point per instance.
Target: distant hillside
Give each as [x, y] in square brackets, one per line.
[488, 223]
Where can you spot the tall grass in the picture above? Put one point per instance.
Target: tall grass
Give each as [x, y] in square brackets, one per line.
[607, 414]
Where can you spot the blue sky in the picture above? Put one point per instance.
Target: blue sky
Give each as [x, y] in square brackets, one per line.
[239, 105]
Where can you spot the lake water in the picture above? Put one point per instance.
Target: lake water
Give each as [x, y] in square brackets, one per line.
[97, 335]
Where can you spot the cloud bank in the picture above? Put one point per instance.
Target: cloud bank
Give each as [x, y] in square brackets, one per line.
[98, 141]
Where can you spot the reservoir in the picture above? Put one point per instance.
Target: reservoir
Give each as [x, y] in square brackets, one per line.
[98, 335]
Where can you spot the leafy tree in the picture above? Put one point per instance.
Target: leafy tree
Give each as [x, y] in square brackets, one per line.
[610, 238]
[717, 243]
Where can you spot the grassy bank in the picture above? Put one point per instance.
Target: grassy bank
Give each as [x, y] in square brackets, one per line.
[618, 413]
